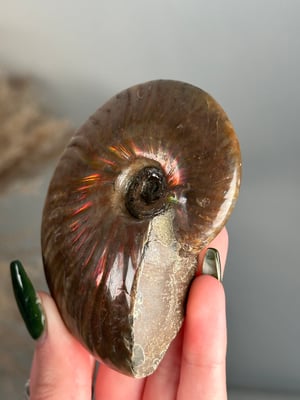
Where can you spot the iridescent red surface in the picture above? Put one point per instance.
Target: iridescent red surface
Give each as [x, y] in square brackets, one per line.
[97, 255]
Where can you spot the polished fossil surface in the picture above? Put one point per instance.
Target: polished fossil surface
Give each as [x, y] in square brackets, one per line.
[145, 184]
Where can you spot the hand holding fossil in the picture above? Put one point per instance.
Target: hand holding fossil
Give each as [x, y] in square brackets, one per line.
[193, 367]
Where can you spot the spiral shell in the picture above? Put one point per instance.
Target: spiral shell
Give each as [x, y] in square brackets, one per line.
[146, 183]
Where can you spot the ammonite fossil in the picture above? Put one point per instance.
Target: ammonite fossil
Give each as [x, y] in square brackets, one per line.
[145, 184]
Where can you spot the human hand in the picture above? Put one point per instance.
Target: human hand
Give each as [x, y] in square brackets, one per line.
[193, 368]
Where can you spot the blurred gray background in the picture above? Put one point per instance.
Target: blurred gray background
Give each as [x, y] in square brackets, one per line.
[247, 55]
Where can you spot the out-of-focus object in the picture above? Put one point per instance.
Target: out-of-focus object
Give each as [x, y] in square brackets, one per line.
[29, 135]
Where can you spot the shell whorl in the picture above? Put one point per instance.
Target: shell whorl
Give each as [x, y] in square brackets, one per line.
[146, 183]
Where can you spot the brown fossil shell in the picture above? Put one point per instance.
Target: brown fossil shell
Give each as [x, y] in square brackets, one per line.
[147, 182]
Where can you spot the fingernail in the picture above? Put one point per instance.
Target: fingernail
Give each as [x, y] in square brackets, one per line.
[212, 264]
[28, 302]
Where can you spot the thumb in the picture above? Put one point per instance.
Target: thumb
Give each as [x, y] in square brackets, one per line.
[61, 368]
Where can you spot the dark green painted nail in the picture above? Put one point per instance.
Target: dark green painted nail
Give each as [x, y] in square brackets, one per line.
[27, 300]
[212, 264]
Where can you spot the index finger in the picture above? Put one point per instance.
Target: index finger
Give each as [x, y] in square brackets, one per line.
[203, 369]
[220, 243]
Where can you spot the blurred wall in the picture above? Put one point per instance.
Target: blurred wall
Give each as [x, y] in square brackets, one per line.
[246, 54]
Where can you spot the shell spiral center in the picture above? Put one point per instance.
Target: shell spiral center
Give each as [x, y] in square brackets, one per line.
[146, 194]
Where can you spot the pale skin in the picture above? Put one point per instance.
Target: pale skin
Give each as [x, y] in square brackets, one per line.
[194, 366]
